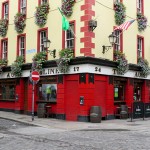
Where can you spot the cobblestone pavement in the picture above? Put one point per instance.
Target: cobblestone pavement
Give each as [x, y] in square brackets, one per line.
[21, 136]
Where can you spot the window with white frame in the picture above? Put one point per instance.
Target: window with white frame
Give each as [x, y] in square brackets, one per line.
[22, 46]
[119, 1]
[44, 1]
[139, 47]
[4, 49]
[23, 6]
[139, 6]
[117, 45]
[69, 40]
[43, 35]
[5, 9]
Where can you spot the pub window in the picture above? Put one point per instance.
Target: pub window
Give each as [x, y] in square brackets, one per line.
[119, 91]
[48, 89]
[137, 92]
[7, 91]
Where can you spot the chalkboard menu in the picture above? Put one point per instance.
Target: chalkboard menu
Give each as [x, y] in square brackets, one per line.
[138, 110]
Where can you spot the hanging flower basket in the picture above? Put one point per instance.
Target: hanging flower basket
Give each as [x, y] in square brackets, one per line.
[16, 67]
[123, 66]
[66, 7]
[143, 63]
[38, 61]
[3, 27]
[120, 13]
[3, 63]
[20, 22]
[63, 62]
[41, 14]
[142, 22]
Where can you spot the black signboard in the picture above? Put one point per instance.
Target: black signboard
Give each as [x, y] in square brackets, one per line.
[147, 110]
[138, 110]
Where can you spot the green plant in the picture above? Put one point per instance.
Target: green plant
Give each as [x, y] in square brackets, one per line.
[143, 63]
[38, 61]
[120, 13]
[3, 27]
[63, 62]
[3, 63]
[19, 22]
[16, 67]
[123, 66]
[142, 22]
[41, 14]
[66, 7]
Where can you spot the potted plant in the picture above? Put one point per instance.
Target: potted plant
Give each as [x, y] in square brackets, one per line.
[41, 14]
[63, 62]
[66, 7]
[142, 22]
[3, 27]
[143, 63]
[19, 22]
[3, 63]
[38, 61]
[120, 13]
[16, 67]
[123, 66]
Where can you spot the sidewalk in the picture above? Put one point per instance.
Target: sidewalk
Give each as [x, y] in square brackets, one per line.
[70, 125]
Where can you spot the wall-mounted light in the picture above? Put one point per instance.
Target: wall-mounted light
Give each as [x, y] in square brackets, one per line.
[112, 39]
[92, 25]
[47, 43]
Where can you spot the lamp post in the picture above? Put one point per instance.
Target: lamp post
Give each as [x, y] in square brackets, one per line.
[112, 39]
[47, 43]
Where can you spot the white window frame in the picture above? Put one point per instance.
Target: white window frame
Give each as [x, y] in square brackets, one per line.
[22, 46]
[4, 49]
[139, 6]
[117, 46]
[69, 37]
[140, 47]
[43, 34]
[5, 6]
[23, 6]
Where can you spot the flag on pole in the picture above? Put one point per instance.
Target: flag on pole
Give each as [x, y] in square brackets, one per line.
[125, 25]
[65, 22]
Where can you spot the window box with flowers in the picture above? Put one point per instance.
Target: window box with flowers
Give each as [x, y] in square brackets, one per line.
[41, 14]
[142, 22]
[19, 22]
[120, 13]
[16, 67]
[38, 60]
[3, 27]
[67, 6]
[122, 66]
[3, 63]
[143, 63]
[63, 62]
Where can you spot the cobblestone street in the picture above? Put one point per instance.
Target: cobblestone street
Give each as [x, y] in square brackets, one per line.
[21, 136]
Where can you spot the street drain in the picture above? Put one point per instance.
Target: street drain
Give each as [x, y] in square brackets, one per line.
[105, 130]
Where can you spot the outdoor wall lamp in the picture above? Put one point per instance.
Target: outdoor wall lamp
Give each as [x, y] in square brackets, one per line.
[46, 43]
[112, 39]
[92, 25]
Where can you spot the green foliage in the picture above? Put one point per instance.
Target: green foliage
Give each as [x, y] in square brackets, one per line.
[19, 22]
[41, 14]
[120, 13]
[123, 66]
[142, 22]
[143, 63]
[16, 67]
[63, 62]
[38, 61]
[3, 62]
[3, 27]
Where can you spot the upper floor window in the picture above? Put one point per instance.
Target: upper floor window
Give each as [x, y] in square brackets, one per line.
[5, 10]
[119, 1]
[118, 44]
[43, 2]
[21, 45]
[4, 49]
[140, 47]
[140, 6]
[69, 38]
[23, 6]
[42, 34]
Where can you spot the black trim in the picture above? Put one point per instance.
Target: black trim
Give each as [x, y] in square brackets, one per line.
[83, 118]
[91, 78]
[82, 78]
[61, 116]
[60, 79]
[111, 80]
[8, 100]
[110, 117]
